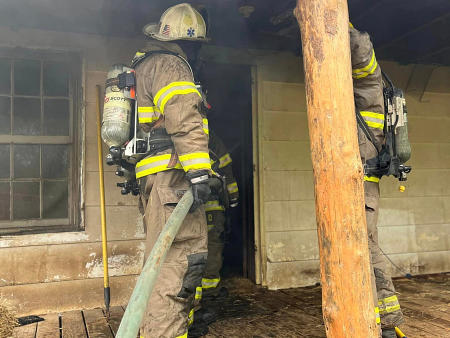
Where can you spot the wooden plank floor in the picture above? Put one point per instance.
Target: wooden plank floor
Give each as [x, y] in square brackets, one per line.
[252, 311]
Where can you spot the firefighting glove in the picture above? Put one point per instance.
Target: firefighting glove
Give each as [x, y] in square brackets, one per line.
[200, 187]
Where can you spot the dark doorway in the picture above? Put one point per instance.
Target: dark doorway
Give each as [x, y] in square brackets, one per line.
[229, 91]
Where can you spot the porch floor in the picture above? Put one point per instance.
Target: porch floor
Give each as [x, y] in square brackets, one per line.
[253, 311]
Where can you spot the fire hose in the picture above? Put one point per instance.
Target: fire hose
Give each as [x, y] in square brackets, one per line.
[137, 305]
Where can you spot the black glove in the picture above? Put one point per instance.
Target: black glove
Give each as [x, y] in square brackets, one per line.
[200, 187]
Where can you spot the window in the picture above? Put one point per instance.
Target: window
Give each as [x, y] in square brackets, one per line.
[39, 188]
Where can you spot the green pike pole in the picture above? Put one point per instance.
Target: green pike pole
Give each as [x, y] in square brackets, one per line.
[137, 305]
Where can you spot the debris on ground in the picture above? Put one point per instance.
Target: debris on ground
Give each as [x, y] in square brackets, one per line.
[8, 319]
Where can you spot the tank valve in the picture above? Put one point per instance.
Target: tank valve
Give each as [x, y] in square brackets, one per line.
[402, 188]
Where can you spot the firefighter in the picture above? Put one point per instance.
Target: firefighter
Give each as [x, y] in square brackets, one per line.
[368, 94]
[169, 109]
[220, 198]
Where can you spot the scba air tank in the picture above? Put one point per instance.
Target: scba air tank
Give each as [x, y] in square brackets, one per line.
[117, 109]
[402, 145]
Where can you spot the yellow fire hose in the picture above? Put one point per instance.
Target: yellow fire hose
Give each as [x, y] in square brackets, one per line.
[106, 290]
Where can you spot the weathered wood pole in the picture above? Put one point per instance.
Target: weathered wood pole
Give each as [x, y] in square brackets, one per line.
[347, 303]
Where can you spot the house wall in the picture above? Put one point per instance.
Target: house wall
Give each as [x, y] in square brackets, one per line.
[63, 271]
[414, 226]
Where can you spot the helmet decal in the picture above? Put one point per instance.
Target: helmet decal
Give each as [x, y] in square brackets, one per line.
[191, 32]
[166, 30]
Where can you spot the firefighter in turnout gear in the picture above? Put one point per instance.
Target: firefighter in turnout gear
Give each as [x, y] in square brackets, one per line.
[168, 106]
[368, 94]
[222, 196]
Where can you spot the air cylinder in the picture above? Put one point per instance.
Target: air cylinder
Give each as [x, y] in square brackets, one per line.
[117, 110]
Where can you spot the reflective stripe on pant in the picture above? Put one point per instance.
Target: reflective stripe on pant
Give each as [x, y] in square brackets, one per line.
[173, 295]
[384, 292]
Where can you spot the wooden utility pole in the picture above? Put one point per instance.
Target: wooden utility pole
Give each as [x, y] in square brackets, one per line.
[347, 302]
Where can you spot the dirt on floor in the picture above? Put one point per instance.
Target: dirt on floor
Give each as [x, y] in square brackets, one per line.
[253, 311]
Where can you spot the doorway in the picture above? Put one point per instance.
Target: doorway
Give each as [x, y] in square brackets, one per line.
[229, 92]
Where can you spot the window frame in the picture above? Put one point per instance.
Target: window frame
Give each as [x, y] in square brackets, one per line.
[74, 96]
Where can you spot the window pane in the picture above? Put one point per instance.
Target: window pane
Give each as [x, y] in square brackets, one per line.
[56, 117]
[27, 117]
[27, 77]
[55, 199]
[26, 161]
[56, 79]
[4, 160]
[5, 76]
[5, 115]
[55, 160]
[4, 201]
[26, 200]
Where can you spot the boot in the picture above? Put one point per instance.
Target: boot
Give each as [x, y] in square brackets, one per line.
[197, 329]
[220, 294]
[388, 333]
[205, 315]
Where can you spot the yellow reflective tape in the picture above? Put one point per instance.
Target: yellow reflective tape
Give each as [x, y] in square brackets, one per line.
[177, 92]
[197, 166]
[372, 179]
[390, 299]
[205, 126]
[208, 283]
[389, 309]
[232, 188]
[146, 109]
[366, 68]
[148, 119]
[191, 317]
[156, 169]
[364, 74]
[372, 114]
[211, 226]
[166, 93]
[213, 205]
[377, 314]
[183, 336]
[195, 161]
[225, 160]
[153, 159]
[169, 86]
[350, 24]
[198, 292]
[139, 54]
[375, 125]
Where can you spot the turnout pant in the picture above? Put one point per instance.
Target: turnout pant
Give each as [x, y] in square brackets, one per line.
[216, 227]
[387, 306]
[173, 295]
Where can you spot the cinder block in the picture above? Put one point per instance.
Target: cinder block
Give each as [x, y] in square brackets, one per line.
[433, 237]
[124, 222]
[112, 192]
[427, 210]
[434, 262]
[397, 239]
[92, 158]
[289, 185]
[439, 81]
[287, 246]
[286, 126]
[94, 78]
[289, 215]
[285, 155]
[395, 211]
[292, 274]
[405, 263]
[430, 156]
[55, 263]
[282, 96]
[429, 129]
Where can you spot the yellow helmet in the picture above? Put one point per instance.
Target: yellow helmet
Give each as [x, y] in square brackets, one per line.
[180, 22]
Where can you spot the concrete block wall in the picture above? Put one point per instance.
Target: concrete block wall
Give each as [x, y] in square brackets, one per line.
[414, 226]
[63, 271]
